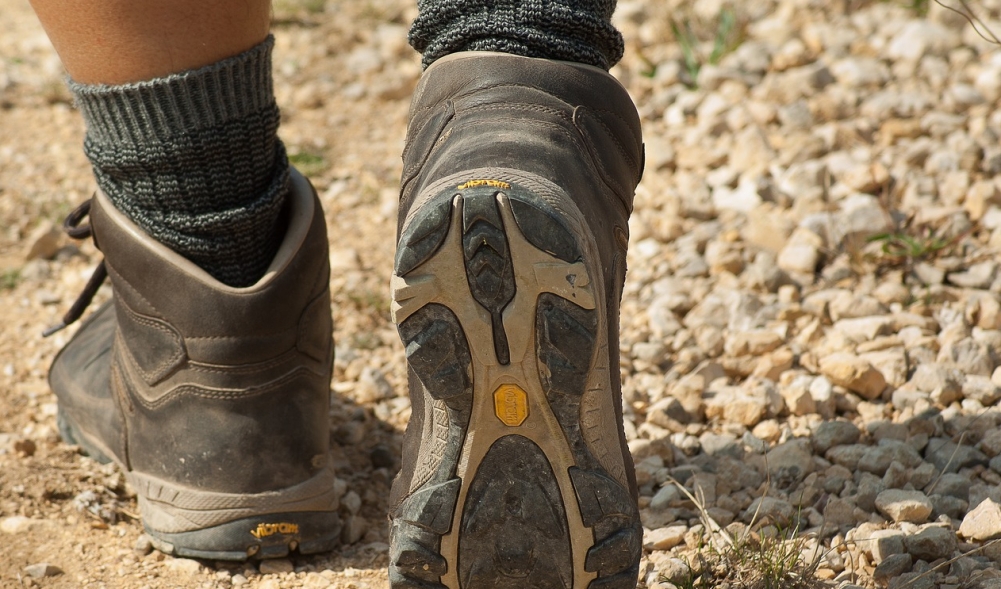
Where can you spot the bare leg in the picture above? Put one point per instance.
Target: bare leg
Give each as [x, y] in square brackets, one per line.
[181, 121]
[182, 128]
[121, 41]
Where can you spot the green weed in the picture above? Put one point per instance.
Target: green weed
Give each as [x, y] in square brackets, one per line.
[9, 279]
[744, 559]
[919, 7]
[309, 163]
[649, 68]
[901, 247]
[369, 300]
[754, 561]
[906, 241]
[297, 13]
[726, 33]
[295, 6]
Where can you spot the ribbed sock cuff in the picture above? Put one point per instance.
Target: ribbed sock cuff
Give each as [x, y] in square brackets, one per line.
[194, 159]
[569, 30]
[164, 107]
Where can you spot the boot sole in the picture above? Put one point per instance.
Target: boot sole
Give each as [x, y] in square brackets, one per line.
[520, 480]
[302, 533]
[270, 533]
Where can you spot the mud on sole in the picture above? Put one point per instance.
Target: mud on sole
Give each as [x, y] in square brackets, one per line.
[499, 303]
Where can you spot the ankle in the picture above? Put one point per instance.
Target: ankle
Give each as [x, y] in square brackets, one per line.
[194, 159]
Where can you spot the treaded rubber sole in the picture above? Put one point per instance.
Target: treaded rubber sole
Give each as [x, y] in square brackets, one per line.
[499, 302]
[269, 535]
[281, 534]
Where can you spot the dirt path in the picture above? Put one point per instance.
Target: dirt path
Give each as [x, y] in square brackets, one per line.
[332, 82]
[811, 324]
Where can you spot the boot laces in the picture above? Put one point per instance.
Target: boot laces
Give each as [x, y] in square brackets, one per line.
[72, 226]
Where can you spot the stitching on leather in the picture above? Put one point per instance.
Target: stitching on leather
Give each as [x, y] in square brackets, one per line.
[575, 139]
[118, 390]
[303, 327]
[613, 185]
[410, 146]
[606, 177]
[445, 114]
[410, 132]
[517, 106]
[443, 134]
[118, 277]
[188, 499]
[475, 91]
[243, 368]
[628, 125]
[116, 384]
[173, 335]
[118, 280]
[224, 394]
[126, 361]
[433, 143]
[611, 135]
[241, 337]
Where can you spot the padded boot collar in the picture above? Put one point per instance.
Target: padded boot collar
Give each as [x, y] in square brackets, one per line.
[152, 280]
[300, 207]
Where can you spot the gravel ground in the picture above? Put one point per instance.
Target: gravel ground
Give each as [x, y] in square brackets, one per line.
[811, 323]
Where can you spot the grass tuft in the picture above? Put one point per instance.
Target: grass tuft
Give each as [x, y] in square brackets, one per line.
[725, 33]
[296, 6]
[740, 558]
[9, 279]
[368, 300]
[920, 7]
[309, 163]
[908, 241]
[903, 248]
[754, 561]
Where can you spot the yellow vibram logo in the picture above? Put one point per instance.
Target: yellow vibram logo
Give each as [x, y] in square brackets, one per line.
[265, 530]
[511, 405]
[490, 183]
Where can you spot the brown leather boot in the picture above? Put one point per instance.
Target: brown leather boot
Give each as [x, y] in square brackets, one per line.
[214, 400]
[518, 182]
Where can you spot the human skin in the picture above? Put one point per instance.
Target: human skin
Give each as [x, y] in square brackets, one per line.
[121, 41]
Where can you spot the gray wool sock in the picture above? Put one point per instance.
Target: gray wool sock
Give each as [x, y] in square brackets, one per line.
[195, 160]
[569, 30]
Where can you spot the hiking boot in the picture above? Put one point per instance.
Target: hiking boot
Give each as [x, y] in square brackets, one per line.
[518, 183]
[214, 400]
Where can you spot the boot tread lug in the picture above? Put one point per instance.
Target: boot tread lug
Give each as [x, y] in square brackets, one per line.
[487, 532]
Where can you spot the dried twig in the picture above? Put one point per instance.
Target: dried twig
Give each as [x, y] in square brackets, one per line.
[959, 444]
[973, 19]
[948, 464]
[910, 582]
[714, 528]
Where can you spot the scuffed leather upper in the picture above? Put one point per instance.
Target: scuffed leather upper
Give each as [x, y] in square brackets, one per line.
[201, 384]
[569, 123]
